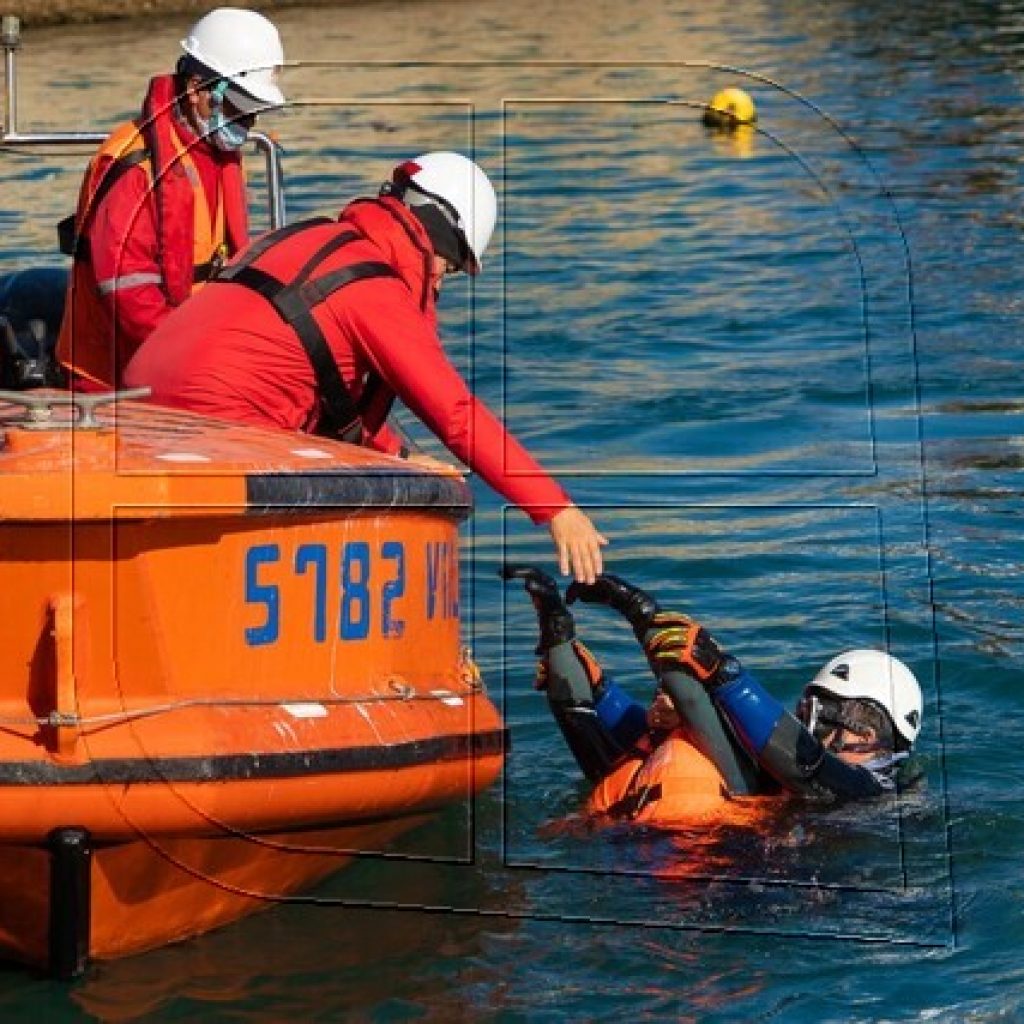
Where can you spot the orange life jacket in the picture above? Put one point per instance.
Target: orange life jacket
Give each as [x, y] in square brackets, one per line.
[190, 237]
[674, 784]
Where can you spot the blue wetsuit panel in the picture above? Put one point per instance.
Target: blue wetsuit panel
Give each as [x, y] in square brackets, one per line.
[751, 710]
[624, 718]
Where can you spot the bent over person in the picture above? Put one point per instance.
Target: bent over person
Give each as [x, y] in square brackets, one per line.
[854, 726]
[163, 201]
[320, 325]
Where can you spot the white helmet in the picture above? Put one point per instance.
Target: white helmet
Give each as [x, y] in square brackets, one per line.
[243, 47]
[879, 677]
[453, 186]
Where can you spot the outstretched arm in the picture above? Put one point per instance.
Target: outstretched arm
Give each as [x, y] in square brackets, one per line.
[667, 639]
[781, 744]
[598, 720]
[402, 345]
[696, 673]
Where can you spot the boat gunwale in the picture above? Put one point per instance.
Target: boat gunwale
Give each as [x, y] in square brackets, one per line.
[258, 469]
[309, 491]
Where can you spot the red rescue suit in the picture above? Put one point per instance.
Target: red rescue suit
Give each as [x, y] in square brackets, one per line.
[228, 354]
[145, 240]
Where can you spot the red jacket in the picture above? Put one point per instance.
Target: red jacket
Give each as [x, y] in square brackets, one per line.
[227, 354]
[144, 240]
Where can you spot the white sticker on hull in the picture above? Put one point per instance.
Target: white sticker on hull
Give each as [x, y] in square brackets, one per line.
[183, 457]
[447, 697]
[310, 710]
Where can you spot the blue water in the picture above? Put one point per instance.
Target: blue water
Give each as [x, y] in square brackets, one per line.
[784, 372]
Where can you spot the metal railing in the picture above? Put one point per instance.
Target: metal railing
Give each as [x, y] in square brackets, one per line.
[10, 40]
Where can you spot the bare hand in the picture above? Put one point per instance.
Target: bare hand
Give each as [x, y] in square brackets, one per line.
[661, 715]
[578, 544]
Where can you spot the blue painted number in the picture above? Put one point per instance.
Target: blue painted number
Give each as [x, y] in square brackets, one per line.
[266, 594]
[355, 591]
[393, 589]
[315, 555]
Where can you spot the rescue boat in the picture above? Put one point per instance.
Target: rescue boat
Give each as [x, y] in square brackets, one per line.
[230, 663]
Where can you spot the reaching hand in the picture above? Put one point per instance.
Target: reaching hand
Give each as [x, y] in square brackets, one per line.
[632, 602]
[578, 544]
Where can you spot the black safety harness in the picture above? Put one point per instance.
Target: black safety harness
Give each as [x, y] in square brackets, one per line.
[295, 301]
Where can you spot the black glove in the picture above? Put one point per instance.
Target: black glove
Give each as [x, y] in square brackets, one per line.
[554, 619]
[632, 602]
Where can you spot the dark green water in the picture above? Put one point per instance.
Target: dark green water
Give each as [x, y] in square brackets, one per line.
[785, 372]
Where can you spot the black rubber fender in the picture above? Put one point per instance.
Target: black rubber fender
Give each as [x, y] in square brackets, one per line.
[31, 308]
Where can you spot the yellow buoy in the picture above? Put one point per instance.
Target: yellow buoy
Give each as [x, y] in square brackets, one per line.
[736, 143]
[729, 108]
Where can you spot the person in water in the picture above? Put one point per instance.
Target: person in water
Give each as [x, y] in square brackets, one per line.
[853, 729]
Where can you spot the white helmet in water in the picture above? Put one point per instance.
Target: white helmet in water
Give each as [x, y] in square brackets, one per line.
[244, 48]
[453, 199]
[879, 678]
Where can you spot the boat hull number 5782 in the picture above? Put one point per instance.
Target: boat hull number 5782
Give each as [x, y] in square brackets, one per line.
[352, 591]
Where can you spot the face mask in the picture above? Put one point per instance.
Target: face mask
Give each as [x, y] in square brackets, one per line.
[826, 715]
[225, 134]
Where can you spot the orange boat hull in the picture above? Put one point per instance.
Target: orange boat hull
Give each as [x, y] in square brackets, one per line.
[148, 893]
[218, 644]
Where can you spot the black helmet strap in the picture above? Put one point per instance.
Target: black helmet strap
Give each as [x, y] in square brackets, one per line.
[439, 219]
